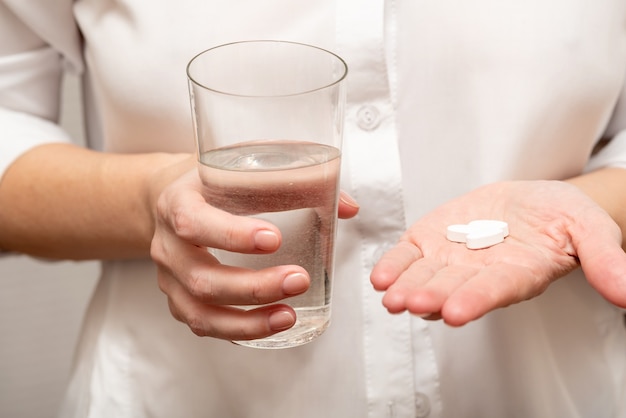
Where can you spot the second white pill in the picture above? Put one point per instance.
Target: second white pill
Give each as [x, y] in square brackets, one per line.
[478, 234]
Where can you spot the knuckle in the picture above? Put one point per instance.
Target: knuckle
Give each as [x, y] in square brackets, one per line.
[257, 292]
[174, 311]
[157, 252]
[199, 326]
[174, 215]
[182, 221]
[229, 235]
[162, 283]
[200, 287]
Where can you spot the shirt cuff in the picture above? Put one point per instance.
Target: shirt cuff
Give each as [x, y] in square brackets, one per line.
[22, 132]
[613, 154]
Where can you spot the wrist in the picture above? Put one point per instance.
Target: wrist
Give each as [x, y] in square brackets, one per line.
[163, 170]
[606, 187]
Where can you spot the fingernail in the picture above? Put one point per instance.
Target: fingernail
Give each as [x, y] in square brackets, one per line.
[281, 320]
[348, 200]
[295, 284]
[266, 240]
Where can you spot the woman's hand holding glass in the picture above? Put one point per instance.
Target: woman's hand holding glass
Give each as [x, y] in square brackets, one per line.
[202, 292]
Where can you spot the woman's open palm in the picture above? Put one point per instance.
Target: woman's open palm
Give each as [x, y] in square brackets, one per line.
[554, 228]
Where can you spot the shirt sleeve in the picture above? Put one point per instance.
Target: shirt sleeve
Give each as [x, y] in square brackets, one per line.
[38, 42]
[612, 148]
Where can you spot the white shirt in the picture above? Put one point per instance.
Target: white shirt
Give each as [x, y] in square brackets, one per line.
[443, 96]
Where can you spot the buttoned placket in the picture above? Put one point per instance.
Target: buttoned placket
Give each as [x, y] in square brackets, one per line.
[371, 152]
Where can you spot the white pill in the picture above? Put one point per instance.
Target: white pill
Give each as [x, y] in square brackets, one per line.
[478, 234]
[484, 238]
[488, 223]
[457, 232]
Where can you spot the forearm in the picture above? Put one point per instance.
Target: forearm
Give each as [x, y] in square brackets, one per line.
[607, 187]
[62, 201]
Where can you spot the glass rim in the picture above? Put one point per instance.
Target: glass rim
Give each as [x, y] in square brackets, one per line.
[214, 90]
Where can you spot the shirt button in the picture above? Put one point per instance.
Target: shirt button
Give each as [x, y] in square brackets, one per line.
[422, 405]
[368, 117]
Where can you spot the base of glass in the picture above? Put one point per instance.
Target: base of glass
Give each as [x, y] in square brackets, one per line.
[306, 329]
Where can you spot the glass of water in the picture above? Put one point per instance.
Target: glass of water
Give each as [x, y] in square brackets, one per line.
[268, 119]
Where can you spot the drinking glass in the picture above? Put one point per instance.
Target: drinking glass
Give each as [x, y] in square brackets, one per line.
[268, 119]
